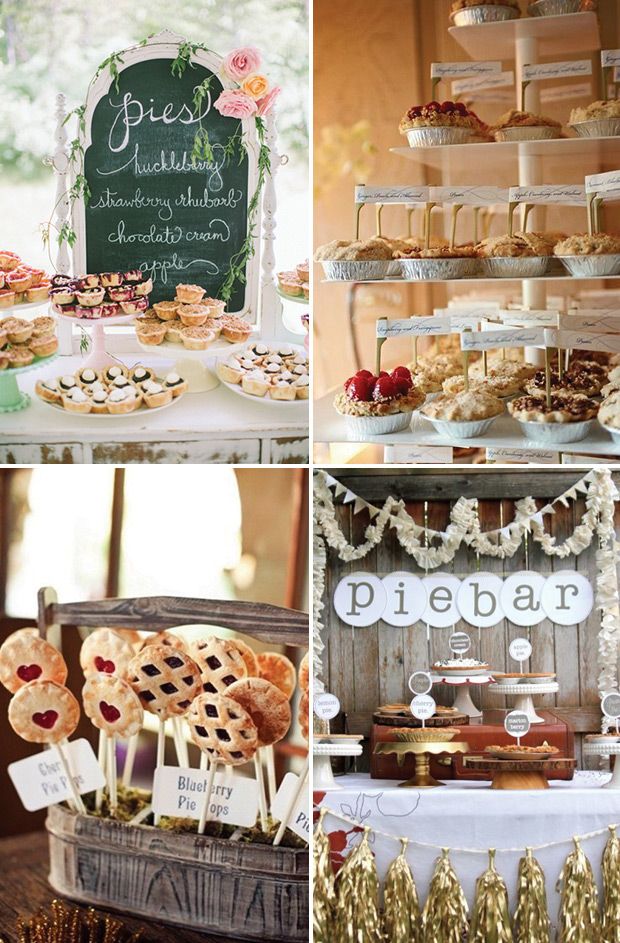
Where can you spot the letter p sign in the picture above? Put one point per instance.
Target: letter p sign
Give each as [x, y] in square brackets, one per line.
[360, 599]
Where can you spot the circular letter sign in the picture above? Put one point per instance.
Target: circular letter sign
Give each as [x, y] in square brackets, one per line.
[441, 592]
[405, 598]
[359, 599]
[567, 597]
[520, 598]
[479, 600]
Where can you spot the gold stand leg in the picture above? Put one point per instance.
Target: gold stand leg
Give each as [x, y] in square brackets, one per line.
[422, 778]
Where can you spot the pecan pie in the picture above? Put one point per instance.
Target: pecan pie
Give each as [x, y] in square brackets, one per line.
[573, 381]
[565, 407]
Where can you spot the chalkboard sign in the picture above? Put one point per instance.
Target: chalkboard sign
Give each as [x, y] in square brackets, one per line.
[150, 206]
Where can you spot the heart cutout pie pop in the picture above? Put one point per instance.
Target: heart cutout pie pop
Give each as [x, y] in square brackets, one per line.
[25, 658]
[112, 705]
[107, 667]
[46, 720]
[105, 652]
[109, 713]
[44, 712]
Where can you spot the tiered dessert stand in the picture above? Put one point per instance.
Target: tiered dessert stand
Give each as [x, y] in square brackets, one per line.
[524, 693]
[323, 748]
[463, 700]
[525, 40]
[607, 750]
[421, 751]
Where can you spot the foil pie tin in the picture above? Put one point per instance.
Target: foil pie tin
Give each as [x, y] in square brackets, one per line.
[473, 16]
[425, 269]
[531, 133]
[437, 136]
[553, 7]
[522, 266]
[591, 266]
[360, 427]
[455, 429]
[597, 128]
[356, 271]
[614, 433]
[556, 433]
[394, 269]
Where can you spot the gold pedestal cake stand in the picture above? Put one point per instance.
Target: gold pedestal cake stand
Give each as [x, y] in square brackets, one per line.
[422, 752]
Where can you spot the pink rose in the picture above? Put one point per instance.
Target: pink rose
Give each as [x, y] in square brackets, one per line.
[234, 104]
[266, 104]
[241, 62]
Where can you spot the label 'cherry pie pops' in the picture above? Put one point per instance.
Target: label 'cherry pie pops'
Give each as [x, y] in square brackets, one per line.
[112, 705]
[25, 658]
[165, 679]
[44, 712]
[105, 652]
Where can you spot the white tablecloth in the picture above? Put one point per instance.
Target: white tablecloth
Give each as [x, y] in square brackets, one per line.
[471, 815]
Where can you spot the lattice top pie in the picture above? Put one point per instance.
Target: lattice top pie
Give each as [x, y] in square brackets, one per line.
[166, 680]
[221, 663]
[220, 727]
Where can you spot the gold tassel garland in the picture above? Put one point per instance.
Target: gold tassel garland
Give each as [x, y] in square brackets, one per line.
[531, 920]
[357, 891]
[324, 895]
[445, 912]
[611, 888]
[401, 918]
[579, 916]
[490, 922]
[65, 924]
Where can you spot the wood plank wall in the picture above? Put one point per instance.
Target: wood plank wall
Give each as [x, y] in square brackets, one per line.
[367, 667]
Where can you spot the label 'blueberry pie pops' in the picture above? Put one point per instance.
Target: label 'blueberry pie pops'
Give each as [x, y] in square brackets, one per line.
[25, 658]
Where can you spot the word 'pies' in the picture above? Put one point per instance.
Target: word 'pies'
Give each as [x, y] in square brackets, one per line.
[220, 662]
[44, 712]
[279, 670]
[26, 658]
[267, 706]
[221, 727]
[166, 680]
[105, 652]
[112, 705]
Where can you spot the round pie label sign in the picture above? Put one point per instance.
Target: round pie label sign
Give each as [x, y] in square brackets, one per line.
[520, 649]
[326, 706]
[610, 705]
[517, 724]
[420, 682]
[423, 706]
[460, 643]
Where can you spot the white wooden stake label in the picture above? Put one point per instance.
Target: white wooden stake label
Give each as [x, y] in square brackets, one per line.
[610, 57]
[492, 80]
[299, 820]
[418, 455]
[601, 183]
[365, 194]
[180, 792]
[517, 724]
[588, 340]
[326, 706]
[420, 683]
[413, 327]
[440, 70]
[470, 196]
[566, 92]
[40, 779]
[522, 456]
[555, 70]
[485, 340]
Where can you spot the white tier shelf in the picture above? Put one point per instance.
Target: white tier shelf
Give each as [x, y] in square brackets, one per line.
[606, 749]
[555, 35]
[505, 432]
[322, 773]
[524, 693]
[463, 701]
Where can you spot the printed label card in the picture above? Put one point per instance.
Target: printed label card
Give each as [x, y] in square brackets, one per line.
[299, 820]
[180, 792]
[40, 780]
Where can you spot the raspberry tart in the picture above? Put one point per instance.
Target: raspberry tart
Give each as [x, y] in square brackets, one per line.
[378, 405]
[569, 418]
[439, 123]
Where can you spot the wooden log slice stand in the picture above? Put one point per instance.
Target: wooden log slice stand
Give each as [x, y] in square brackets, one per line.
[519, 774]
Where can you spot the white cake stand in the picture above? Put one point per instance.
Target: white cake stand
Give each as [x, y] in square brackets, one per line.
[524, 694]
[98, 356]
[463, 701]
[606, 749]
[322, 773]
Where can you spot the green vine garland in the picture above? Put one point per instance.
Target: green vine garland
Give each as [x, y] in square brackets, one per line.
[235, 147]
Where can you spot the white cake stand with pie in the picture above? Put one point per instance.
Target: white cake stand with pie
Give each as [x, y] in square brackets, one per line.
[463, 678]
[98, 356]
[326, 746]
[524, 691]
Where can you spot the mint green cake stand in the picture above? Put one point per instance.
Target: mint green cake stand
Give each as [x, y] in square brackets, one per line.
[11, 397]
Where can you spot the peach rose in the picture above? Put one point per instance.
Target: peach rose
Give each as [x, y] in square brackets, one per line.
[256, 86]
[241, 62]
[266, 104]
[234, 104]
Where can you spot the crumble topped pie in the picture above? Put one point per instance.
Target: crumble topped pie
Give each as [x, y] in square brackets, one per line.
[440, 252]
[515, 246]
[515, 748]
[596, 110]
[496, 385]
[599, 243]
[446, 114]
[510, 369]
[463, 407]
[573, 381]
[354, 251]
[523, 119]
[565, 407]
[384, 395]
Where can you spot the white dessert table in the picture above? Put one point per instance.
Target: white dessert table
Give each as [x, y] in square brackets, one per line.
[470, 815]
[212, 427]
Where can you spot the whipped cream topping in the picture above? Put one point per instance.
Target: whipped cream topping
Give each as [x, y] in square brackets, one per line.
[68, 382]
[173, 378]
[76, 395]
[120, 382]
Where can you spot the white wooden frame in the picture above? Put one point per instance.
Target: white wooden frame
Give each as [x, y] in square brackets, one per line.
[263, 301]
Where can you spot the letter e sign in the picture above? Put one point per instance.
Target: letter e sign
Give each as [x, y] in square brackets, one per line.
[441, 592]
[360, 599]
[567, 597]
[479, 599]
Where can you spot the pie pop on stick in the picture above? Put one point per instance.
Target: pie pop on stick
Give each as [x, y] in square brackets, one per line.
[279, 670]
[25, 658]
[47, 712]
[225, 732]
[304, 722]
[114, 709]
[270, 711]
[248, 654]
[221, 662]
[171, 640]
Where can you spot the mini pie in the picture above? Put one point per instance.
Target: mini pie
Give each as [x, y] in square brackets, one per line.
[609, 413]
[279, 670]
[595, 111]
[515, 748]
[516, 246]
[304, 715]
[464, 4]
[220, 727]
[166, 680]
[368, 250]
[442, 252]
[505, 368]
[165, 638]
[565, 407]
[267, 705]
[103, 651]
[574, 381]
[44, 712]
[599, 243]
[112, 705]
[220, 662]
[25, 658]
[435, 114]
[248, 654]
[304, 672]
[496, 386]
[463, 407]
[523, 119]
